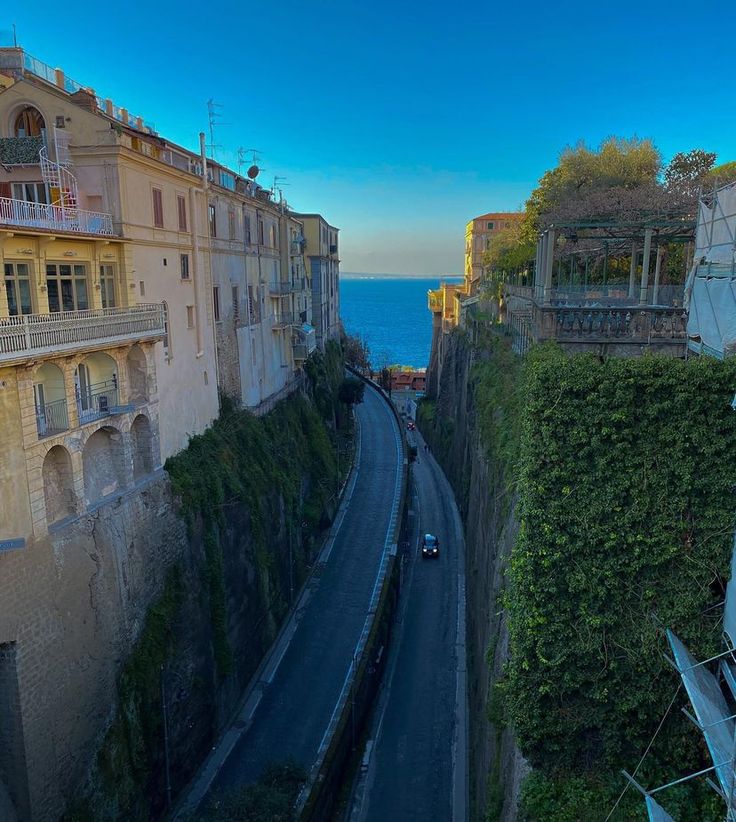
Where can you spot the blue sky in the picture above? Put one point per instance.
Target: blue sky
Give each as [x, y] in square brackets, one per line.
[399, 121]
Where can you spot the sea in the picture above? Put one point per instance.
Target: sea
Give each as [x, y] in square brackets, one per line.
[390, 313]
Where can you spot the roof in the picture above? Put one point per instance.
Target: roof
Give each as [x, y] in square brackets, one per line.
[500, 215]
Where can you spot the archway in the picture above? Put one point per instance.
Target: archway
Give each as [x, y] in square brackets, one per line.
[137, 375]
[140, 435]
[96, 380]
[58, 484]
[49, 393]
[103, 461]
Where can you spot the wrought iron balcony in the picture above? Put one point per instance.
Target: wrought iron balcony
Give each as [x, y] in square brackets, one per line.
[31, 335]
[98, 400]
[53, 218]
[279, 289]
[300, 352]
[283, 320]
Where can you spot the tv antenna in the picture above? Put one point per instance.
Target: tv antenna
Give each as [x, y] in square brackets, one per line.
[278, 181]
[213, 116]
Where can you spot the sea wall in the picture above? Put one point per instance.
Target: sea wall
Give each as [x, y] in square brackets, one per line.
[449, 420]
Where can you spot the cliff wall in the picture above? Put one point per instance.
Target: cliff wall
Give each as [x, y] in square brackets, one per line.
[449, 420]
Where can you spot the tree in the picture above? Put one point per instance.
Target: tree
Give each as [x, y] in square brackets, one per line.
[687, 171]
[721, 175]
[350, 393]
[357, 353]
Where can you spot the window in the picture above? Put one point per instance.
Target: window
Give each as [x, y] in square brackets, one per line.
[489, 226]
[216, 302]
[261, 241]
[181, 210]
[158, 208]
[107, 285]
[190, 316]
[66, 286]
[272, 232]
[142, 288]
[184, 261]
[31, 192]
[236, 304]
[231, 224]
[212, 217]
[18, 288]
[248, 238]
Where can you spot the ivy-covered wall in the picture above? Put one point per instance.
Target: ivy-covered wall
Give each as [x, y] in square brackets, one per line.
[624, 473]
[256, 493]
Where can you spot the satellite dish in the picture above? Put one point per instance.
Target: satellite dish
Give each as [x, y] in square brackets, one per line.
[253, 172]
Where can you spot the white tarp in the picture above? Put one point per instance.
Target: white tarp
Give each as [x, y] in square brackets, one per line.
[710, 290]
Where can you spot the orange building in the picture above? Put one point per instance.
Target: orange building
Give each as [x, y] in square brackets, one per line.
[478, 234]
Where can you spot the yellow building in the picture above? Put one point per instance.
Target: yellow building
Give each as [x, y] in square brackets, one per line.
[478, 234]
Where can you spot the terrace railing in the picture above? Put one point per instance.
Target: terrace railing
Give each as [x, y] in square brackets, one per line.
[53, 217]
[52, 418]
[33, 334]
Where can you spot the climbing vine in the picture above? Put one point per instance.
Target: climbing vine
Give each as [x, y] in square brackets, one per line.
[626, 481]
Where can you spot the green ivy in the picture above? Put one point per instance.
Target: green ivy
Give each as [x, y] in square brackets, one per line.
[626, 482]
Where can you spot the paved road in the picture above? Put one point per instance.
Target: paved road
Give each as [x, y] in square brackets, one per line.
[298, 697]
[416, 765]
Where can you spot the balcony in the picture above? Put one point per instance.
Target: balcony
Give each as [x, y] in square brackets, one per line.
[283, 320]
[434, 300]
[98, 400]
[296, 247]
[52, 418]
[54, 218]
[300, 352]
[32, 335]
[280, 289]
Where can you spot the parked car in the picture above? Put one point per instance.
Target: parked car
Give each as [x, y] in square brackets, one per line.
[430, 546]
[411, 425]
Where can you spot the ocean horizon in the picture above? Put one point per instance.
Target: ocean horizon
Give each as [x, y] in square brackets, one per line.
[359, 275]
[390, 313]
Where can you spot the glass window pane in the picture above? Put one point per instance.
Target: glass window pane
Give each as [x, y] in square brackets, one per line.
[12, 302]
[21, 268]
[65, 271]
[24, 287]
[80, 271]
[81, 294]
[53, 294]
[67, 295]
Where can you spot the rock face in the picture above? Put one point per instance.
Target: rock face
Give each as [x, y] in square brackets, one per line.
[139, 610]
[488, 510]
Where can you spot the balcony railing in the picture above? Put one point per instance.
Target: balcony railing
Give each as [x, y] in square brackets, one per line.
[34, 334]
[434, 300]
[98, 400]
[283, 320]
[52, 418]
[300, 352]
[55, 218]
[279, 289]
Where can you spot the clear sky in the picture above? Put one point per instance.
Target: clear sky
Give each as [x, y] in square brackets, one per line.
[400, 120]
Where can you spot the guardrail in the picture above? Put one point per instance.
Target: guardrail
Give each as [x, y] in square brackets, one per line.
[356, 700]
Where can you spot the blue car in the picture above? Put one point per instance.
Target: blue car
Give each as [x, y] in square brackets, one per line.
[430, 546]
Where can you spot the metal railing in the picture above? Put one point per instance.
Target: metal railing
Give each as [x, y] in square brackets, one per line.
[69, 330]
[434, 300]
[283, 320]
[97, 400]
[300, 351]
[52, 418]
[54, 217]
[279, 289]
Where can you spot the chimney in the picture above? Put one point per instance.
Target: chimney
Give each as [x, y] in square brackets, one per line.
[84, 98]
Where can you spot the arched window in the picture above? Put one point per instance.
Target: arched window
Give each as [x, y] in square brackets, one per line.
[28, 122]
[103, 461]
[58, 487]
[96, 383]
[50, 396]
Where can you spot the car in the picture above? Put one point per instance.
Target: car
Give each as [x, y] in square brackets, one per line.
[430, 546]
[411, 425]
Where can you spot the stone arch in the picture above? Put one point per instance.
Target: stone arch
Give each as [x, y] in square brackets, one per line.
[58, 484]
[142, 442]
[27, 121]
[103, 463]
[96, 385]
[137, 375]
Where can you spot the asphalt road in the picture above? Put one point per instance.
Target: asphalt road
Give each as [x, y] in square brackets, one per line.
[298, 697]
[415, 765]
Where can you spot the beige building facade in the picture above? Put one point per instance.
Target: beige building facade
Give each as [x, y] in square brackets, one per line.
[323, 267]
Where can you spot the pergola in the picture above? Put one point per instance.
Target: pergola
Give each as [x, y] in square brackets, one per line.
[603, 239]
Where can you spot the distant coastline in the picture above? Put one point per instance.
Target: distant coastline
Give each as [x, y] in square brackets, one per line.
[358, 275]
